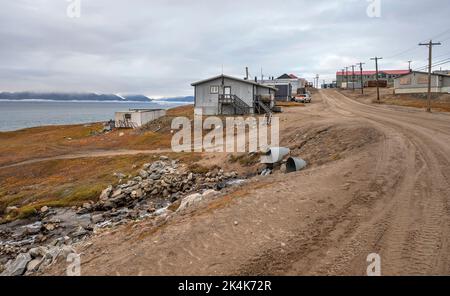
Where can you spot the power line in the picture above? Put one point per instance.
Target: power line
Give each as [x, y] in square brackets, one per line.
[434, 63]
[437, 63]
[438, 35]
[445, 39]
[440, 64]
[403, 52]
[439, 56]
[416, 48]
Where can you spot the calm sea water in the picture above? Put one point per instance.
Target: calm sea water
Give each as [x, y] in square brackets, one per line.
[19, 115]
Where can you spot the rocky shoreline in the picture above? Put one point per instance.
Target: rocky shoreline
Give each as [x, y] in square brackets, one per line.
[164, 186]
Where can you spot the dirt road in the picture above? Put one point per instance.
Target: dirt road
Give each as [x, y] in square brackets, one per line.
[389, 197]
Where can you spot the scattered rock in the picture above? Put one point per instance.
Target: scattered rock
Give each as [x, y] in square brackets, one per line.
[18, 266]
[50, 227]
[155, 176]
[116, 193]
[87, 206]
[34, 228]
[79, 232]
[143, 174]
[120, 175]
[106, 193]
[34, 265]
[157, 191]
[10, 210]
[97, 218]
[37, 252]
[190, 201]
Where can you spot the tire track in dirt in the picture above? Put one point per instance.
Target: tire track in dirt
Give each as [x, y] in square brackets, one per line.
[417, 240]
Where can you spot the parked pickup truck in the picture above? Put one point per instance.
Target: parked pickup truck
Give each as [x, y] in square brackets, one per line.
[305, 98]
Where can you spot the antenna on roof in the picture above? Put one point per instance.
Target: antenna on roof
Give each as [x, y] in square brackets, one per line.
[222, 69]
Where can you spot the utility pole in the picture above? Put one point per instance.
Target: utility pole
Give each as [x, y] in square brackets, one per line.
[342, 77]
[376, 69]
[409, 65]
[361, 76]
[346, 74]
[430, 58]
[353, 77]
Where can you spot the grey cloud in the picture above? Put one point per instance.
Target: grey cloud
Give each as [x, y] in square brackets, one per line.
[158, 47]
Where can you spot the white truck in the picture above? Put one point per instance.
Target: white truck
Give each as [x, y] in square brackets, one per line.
[305, 98]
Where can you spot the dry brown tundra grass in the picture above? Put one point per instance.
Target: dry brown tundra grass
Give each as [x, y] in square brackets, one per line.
[71, 182]
[68, 182]
[50, 141]
[289, 104]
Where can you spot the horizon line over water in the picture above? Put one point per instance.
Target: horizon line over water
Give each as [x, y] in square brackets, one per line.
[16, 115]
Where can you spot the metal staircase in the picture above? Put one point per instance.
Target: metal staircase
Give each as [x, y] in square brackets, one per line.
[263, 108]
[240, 106]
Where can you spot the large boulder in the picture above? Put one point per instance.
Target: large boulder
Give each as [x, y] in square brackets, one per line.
[190, 201]
[18, 266]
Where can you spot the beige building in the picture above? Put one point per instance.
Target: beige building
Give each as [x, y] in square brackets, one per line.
[417, 82]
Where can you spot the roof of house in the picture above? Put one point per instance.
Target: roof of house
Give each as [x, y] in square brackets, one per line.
[293, 76]
[426, 73]
[232, 78]
[285, 76]
[390, 72]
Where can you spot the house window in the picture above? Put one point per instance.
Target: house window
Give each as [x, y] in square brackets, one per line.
[214, 89]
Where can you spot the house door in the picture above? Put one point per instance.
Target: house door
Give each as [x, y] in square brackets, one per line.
[227, 92]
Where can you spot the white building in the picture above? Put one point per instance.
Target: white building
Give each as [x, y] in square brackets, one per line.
[288, 86]
[135, 118]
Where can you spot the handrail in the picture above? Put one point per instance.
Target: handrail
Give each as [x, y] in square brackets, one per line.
[268, 112]
[236, 102]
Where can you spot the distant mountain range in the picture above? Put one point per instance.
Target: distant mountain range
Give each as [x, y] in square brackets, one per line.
[85, 97]
[187, 99]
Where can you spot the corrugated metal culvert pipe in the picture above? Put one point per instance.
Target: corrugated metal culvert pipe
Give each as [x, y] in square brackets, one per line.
[274, 155]
[295, 164]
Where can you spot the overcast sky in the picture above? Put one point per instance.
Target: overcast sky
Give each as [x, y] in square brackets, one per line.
[158, 48]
